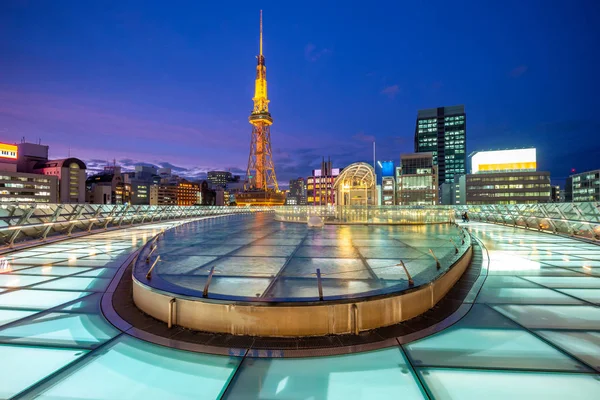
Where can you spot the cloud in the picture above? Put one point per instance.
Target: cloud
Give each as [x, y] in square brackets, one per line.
[391, 91]
[312, 54]
[518, 71]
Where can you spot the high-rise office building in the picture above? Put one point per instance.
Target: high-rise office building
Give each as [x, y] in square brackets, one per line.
[442, 131]
[585, 186]
[506, 177]
[297, 192]
[416, 180]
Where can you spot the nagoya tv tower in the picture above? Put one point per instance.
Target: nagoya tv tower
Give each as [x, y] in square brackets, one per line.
[261, 186]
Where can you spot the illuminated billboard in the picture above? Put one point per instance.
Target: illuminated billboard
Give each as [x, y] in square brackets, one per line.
[518, 160]
[387, 168]
[8, 151]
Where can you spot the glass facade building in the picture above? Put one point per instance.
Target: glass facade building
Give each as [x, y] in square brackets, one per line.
[585, 186]
[442, 131]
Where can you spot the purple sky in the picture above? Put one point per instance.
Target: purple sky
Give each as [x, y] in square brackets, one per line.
[140, 81]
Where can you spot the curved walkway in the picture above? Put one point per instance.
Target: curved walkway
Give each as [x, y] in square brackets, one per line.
[532, 332]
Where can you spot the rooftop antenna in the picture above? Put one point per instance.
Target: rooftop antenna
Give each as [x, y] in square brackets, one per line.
[261, 53]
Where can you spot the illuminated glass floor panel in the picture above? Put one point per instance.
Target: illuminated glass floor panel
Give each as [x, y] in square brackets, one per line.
[76, 283]
[15, 281]
[382, 374]
[23, 366]
[52, 270]
[583, 345]
[8, 316]
[515, 385]
[524, 296]
[60, 329]
[37, 299]
[133, 369]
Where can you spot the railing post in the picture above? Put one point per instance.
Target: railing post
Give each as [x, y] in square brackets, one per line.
[210, 275]
[172, 305]
[319, 284]
[149, 274]
[437, 262]
[410, 279]
[455, 246]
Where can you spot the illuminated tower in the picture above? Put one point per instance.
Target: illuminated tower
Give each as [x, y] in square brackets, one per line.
[261, 171]
[261, 186]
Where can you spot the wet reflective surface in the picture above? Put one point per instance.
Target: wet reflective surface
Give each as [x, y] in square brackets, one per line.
[256, 257]
[532, 333]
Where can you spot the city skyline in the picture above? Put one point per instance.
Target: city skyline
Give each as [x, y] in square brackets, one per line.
[165, 86]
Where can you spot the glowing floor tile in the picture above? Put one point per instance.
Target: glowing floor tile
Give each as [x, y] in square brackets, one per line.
[88, 304]
[52, 270]
[76, 283]
[502, 385]
[489, 348]
[23, 366]
[37, 299]
[60, 329]
[8, 316]
[565, 282]
[382, 374]
[583, 345]
[591, 295]
[523, 296]
[140, 370]
[584, 317]
[501, 281]
[14, 281]
[99, 273]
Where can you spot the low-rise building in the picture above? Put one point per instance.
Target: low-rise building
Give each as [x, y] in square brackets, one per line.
[108, 187]
[182, 193]
[417, 180]
[71, 178]
[507, 177]
[23, 187]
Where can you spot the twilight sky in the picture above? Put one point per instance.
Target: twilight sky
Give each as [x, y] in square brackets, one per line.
[171, 83]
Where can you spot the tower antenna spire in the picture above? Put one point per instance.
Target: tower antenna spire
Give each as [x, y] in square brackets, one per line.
[261, 53]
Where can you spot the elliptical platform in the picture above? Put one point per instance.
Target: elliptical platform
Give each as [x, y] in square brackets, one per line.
[286, 280]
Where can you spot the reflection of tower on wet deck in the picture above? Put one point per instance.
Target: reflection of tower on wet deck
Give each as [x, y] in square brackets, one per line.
[261, 186]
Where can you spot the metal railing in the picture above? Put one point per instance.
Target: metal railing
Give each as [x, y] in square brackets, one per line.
[368, 214]
[26, 222]
[575, 219]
